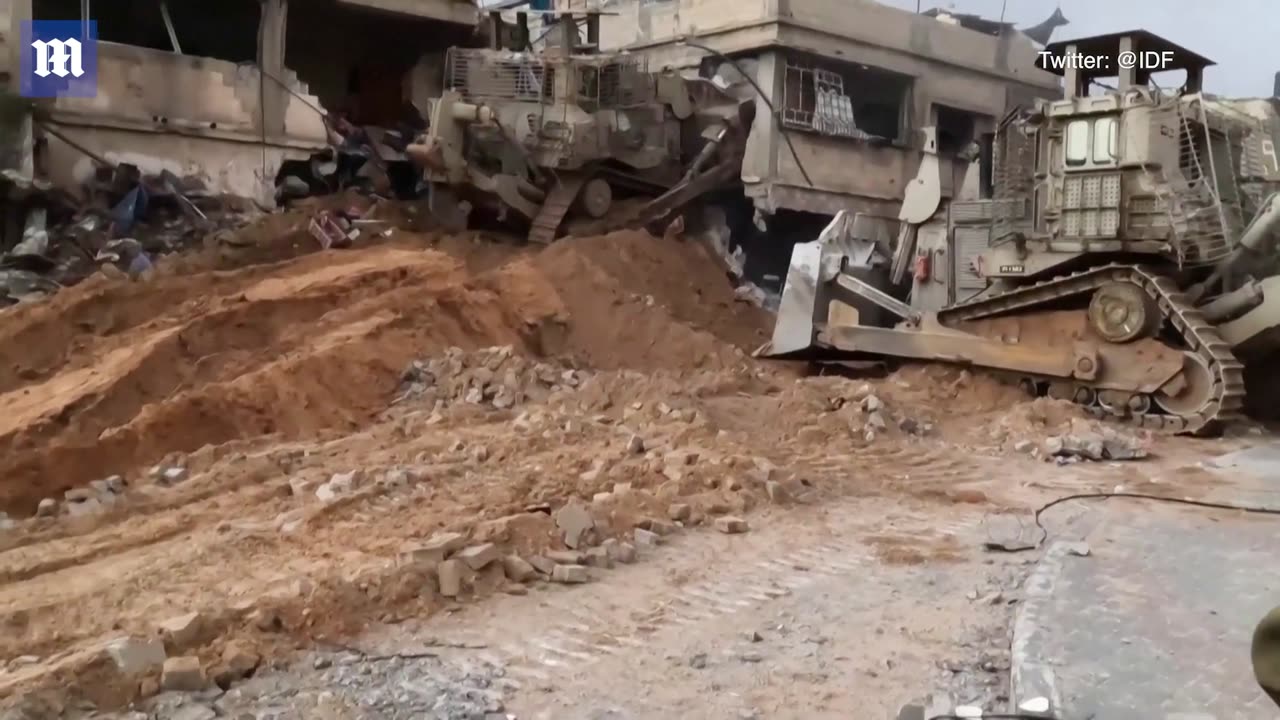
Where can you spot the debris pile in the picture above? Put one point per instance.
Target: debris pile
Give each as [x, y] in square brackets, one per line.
[495, 376]
[1093, 440]
[869, 417]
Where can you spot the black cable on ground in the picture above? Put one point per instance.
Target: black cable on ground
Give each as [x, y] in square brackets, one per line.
[1044, 533]
[998, 716]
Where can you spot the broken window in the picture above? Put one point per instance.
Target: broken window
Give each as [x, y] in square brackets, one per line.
[226, 30]
[957, 129]
[843, 99]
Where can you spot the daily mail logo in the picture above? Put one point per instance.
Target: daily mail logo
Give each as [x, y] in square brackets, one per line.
[59, 58]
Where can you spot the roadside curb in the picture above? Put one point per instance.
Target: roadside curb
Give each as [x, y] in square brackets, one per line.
[1029, 675]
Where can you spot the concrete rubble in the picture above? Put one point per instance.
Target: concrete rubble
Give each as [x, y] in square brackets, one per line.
[495, 377]
[1093, 441]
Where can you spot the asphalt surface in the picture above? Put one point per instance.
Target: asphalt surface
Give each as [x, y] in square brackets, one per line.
[1151, 615]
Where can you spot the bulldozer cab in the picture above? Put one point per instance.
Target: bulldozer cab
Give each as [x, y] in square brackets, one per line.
[1120, 165]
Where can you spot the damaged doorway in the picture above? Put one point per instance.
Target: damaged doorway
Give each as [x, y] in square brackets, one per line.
[375, 68]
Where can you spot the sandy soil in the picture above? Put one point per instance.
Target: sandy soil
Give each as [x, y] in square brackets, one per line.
[229, 389]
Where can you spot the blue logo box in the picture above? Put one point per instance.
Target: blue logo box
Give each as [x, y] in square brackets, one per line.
[59, 59]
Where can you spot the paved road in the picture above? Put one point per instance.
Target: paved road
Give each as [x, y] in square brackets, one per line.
[1156, 620]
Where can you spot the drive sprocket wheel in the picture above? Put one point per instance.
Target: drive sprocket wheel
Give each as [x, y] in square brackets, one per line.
[1122, 312]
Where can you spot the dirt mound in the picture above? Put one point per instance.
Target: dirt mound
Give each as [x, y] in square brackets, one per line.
[110, 376]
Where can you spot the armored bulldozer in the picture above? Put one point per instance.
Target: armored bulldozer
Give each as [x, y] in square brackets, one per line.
[1124, 255]
[571, 132]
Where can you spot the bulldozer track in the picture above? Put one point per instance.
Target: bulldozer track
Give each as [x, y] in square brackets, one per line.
[1227, 397]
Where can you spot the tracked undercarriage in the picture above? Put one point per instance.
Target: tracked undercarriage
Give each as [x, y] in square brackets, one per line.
[1124, 259]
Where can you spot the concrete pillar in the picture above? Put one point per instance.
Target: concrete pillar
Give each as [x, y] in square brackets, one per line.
[1128, 76]
[272, 27]
[1071, 74]
[16, 135]
[760, 160]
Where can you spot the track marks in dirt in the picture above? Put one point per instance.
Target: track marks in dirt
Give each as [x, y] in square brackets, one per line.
[308, 348]
[701, 580]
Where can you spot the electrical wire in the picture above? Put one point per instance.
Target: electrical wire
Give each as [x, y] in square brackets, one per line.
[1044, 533]
[772, 108]
[997, 716]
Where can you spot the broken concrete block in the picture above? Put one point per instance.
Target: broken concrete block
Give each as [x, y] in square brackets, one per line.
[777, 492]
[731, 525]
[625, 553]
[48, 507]
[240, 658]
[173, 475]
[621, 488]
[599, 557]
[566, 557]
[645, 538]
[601, 497]
[542, 564]
[435, 549]
[871, 404]
[183, 674]
[300, 486]
[570, 574]
[876, 422]
[180, 631]
[635, 445]
[479, 556]
[680, 511]
[134, 656]
[661, 527]
[574, 520]
[518, 569]
[449, 573]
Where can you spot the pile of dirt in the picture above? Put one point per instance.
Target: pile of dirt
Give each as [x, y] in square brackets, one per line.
[112, 376]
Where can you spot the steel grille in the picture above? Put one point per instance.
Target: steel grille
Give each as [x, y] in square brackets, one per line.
[480, 75]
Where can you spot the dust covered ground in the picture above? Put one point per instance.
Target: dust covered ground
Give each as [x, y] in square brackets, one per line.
[258, 435]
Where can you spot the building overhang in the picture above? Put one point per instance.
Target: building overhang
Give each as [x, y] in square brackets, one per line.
[460, 12]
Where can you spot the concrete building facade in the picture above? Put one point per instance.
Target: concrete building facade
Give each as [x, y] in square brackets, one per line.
[842, 88]
[223, 93]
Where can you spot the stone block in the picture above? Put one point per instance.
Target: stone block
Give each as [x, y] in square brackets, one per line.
[570, 574]
[479, 556]
[183, 674]
[543, 564]
[566, 557]
[180, 631]
[134, 656]
[574, 521]
[599, 557]
[518, 569]
[449, 573]
[731, 525]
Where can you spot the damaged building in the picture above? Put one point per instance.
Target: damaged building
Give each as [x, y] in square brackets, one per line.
[224, 95]
[842, 90]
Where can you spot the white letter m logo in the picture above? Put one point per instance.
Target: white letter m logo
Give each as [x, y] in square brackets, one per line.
[53, 56]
